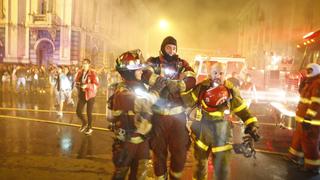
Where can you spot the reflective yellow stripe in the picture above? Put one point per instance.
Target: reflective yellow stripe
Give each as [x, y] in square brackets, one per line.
[228, 84]
[150, 68]
[136, 140]
[315, 122]
[296, 153]
[177, 175]
[167, 111]
[305, 100]
[186, 92]
[299, 119]
[198, 114]
[182, 86]
[195, 98]
[131, 113]
[315, 99]
[216, 113]
[250, 120]
[204, 104]
[116, 112]
[202, 145]
[119, 112]
[189, 74]
[222, 148]
[312, 112]
[240, 108]
[312, 162]
[120, 88]
[153, 79]
[163, 177]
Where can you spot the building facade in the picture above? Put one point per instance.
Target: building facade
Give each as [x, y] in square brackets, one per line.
[269, 30]
[65, 31]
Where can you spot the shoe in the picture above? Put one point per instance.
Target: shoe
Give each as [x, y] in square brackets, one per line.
[295, 162]
[88, 131]
[59, 113]
[83, 128]
[71, 104]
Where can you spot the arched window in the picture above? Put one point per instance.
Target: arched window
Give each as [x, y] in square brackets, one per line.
[43, 6]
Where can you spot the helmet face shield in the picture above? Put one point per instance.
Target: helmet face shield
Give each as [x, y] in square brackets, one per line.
[130, 60]
[133, 65]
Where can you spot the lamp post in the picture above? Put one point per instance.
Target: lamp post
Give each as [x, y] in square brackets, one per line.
[164, 25]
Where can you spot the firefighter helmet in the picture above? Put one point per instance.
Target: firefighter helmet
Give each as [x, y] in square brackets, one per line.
[130, 60]
[213, 98]
[313, 69]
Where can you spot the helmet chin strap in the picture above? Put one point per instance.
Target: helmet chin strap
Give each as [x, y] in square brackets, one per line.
[216, 82]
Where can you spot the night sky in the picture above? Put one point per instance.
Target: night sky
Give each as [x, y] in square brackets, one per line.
[200, 24]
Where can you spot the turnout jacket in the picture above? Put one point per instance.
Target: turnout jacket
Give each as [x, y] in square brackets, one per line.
[130, 107]
[235, 103]
[308, 109]
[176, 70]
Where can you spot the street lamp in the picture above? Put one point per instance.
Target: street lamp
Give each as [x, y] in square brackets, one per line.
[163, 24]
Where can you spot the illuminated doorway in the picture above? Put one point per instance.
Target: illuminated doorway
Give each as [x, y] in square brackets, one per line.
[44, 52]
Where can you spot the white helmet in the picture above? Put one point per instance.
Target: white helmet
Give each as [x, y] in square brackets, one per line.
[315, 69]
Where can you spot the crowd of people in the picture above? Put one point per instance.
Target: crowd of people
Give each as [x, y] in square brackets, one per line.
[59, 81]
[33, 79]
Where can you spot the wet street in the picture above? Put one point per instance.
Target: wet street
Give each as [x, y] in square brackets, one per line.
[37, 144]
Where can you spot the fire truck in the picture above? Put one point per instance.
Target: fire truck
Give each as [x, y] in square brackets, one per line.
[240, 67]
[202, 63]
[308, 51]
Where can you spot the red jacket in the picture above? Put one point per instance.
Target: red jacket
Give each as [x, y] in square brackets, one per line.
[91, 81]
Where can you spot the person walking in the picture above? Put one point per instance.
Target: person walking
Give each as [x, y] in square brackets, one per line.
[87, 83]
[130, 105]
[211, 132]
[304, 149]
[169, 134]
[64, 89]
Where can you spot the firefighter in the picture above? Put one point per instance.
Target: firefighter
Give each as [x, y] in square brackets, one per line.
[306, 137]
[169, 120]
[210, 132]
[130, 106]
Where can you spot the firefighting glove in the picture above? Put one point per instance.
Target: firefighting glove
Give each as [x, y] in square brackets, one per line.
[306, 125]
[159, 85]
[246, 148]
[252, 130]
[175, 86]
